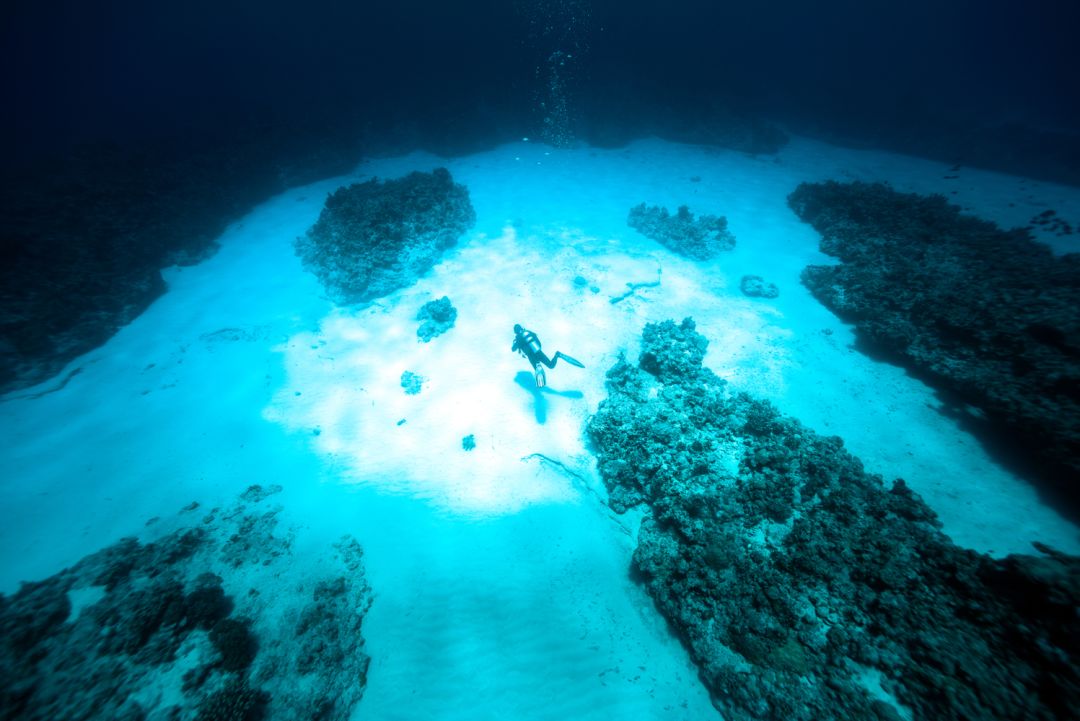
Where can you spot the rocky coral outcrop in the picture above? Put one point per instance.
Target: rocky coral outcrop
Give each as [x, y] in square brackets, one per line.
[376, 237]
[155, 634]
[754, 286]
[794, 575]
[436, 317]
[412, 383]
[989, 315]
[700, 238]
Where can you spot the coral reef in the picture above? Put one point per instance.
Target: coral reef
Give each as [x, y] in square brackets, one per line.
[207, 603]
[989, 315]
[793, 575]
[437, 317]
[755, 286]
[254, 541]
[236, 701]
[155, 635]
[698, 238]
[323, 650]
[376, 237]
[233, 640]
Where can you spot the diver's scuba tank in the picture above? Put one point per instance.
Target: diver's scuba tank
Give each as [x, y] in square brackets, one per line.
[532, 343]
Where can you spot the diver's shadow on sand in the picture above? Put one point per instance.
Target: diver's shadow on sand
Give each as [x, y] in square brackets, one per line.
[540, 403]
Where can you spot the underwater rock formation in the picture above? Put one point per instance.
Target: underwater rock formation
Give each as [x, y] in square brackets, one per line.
[755, 286]
[989, 315]
[86, 234]
[148, 631]
[376, 237]
[698, 238]
[438, 316]
[794, 575]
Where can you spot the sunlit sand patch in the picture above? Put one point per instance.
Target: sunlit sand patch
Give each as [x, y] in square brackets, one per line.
[344, 380]
[344, 387]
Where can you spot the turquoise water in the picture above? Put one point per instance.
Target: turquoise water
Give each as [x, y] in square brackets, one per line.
[500, 579]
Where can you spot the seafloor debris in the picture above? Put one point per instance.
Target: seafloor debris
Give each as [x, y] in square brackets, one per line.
[794, 575]
[376, 237]
[173, 630]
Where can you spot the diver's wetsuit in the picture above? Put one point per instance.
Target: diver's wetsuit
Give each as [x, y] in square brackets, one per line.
[526, 343]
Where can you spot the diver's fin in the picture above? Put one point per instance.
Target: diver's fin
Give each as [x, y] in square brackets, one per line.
[571, 361]
[541, 377]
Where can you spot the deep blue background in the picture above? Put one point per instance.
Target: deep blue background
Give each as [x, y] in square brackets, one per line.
[863, 70]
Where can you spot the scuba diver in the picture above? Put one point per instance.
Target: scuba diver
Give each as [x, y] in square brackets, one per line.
[527, 344]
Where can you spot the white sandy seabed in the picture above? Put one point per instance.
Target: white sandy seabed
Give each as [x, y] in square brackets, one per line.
[501, 582]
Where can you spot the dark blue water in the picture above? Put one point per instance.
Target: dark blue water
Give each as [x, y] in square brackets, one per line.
[269, 448]
[916, 76]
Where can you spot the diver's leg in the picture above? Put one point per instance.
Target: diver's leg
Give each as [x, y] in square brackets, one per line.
[572, 361]
[542, 358]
